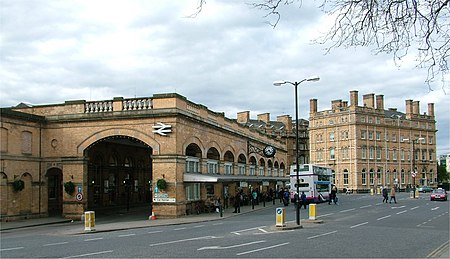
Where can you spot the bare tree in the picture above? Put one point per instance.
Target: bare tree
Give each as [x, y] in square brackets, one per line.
[397, 27]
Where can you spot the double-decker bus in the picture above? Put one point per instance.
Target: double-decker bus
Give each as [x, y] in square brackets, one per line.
[316, 181]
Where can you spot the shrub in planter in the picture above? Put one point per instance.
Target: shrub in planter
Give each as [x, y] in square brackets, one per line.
[18, 185]
[161, 184]
[69, 187]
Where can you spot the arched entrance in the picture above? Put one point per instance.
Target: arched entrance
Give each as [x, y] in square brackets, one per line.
[54, 190]
[119, 173]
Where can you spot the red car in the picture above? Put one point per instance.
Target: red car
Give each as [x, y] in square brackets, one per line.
[438, 194]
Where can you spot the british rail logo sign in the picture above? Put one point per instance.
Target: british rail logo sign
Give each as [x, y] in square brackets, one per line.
[162, 129]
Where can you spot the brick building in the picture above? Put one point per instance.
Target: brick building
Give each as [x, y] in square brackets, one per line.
[110, 154]
[369, 146]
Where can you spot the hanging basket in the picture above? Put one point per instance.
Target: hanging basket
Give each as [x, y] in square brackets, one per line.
[69, 187]
[18, 185]
[161, 184]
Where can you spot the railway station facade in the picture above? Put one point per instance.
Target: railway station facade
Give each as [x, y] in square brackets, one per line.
[164, 150]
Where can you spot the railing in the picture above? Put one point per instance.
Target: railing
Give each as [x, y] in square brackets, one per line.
[137, 104]
[101, 106]
[127, 105]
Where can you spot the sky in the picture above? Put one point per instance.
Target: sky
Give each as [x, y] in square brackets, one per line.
[225, 58]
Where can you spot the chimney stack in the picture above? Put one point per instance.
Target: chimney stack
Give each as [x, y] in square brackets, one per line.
[368, 100]
[265, 117]
[380, 102]
[354, 98]
[431, 109]
[243, 117]
[286, 120]
[312, 106]
[409, 108]
[416, 107]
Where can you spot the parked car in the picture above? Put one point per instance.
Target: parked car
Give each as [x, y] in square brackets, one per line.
[425, 189]
[438, 194]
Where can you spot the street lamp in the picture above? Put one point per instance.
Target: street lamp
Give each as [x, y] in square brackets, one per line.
[413, 171]
[296, 84]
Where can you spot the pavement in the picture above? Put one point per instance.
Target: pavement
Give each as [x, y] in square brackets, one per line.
[141, 218]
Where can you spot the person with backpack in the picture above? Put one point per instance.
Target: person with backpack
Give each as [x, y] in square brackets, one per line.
[385, 194]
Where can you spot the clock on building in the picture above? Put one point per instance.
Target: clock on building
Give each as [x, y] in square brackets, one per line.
[269, 151]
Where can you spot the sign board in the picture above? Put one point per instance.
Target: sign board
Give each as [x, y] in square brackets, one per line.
[280, 217]
[265, 183]
[163, 197]
[243, 184]
[79, 196]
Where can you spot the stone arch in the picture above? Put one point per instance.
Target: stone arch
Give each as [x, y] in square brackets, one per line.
[228, 156]
[242, 159]
[25, 198]
[211, 146]
[229, 149]
[197, 142]
[252, 160]
[138, 135]
[193, 150]
[213, 153]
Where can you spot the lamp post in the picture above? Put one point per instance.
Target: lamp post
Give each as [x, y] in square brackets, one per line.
[296, 84]
[413, 171]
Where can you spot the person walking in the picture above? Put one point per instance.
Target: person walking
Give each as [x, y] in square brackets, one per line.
[393, 195]
[303, 200]
[286, 197]
[333, 195]
[385, 194]
[237, 202]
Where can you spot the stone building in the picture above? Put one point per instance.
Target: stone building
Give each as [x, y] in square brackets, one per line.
[64, 159]
[369, 146]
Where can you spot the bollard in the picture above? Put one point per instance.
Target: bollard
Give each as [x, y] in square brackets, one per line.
[371, 191]
[312, 211]
[280, 217]
[221, 210]
[89, 221]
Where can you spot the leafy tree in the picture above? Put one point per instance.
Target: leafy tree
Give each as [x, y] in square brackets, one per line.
[395, 27]
[442, 174]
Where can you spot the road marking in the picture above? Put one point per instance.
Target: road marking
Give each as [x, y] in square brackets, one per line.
[367, 206]
[264, 248]
[262, 230]
[93, 239]
[385, 217]
[328, 233]
[347, 210]
[228, 247]
[199, 226]
[398, 207]
[96, 253]
[244, 230]
[354, 226]
[435, 208]
[176, 229]
[127, 235]
[55, 244]
[182, 240]
[153, 232]
[400, 212]
[413, 208]
[12, 248]
[324, 215]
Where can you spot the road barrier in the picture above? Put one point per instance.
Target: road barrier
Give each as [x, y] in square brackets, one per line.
[312, 211]
[89, 221]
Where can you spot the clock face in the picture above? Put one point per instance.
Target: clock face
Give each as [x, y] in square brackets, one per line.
[269, 151]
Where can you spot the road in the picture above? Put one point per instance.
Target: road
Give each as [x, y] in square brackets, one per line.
[359, 227]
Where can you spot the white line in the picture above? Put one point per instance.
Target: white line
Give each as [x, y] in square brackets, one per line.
[182, 240]
[367, 206]
[354, 226]
[400, 212]
[153, 232]
[93, 239]
[55, 244]
[12, 248]
[199, 226]
[322, 234]
[264, 248]
[176, 229]
[262, 230]
[347, 210]
[127, 235]
[385, 217]
[97, 253]
[228, 247]
[244, 230]
[413, 208]
[324, 215]
[435, 208]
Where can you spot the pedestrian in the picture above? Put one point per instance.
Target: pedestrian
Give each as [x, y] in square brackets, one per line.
[303, 200]
[237, 202]
[286, 197]
[254, 198]
[333, 195]
[385, 194]
[393, 195]
[281, 195]
[217, 204]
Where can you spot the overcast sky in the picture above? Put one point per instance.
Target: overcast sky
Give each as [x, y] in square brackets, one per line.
[226, 58]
